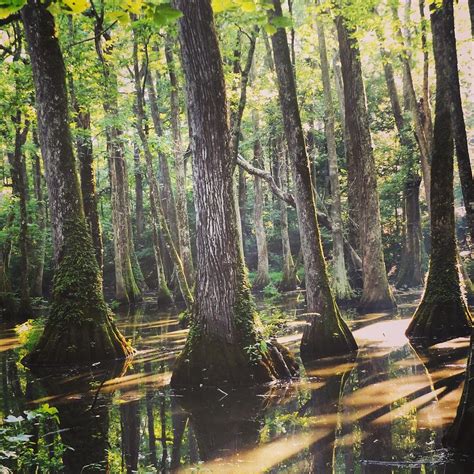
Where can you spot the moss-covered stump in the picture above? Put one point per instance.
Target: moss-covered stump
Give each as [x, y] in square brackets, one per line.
[327, 337]
[79, 329]
[207, 361]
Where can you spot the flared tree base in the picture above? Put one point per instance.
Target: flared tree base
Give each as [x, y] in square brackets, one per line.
[373, 302]
[409, 278]
[325, 338]
[79, 343]
[435, 322]
[209, 362]
[164, 297]
[260, 282]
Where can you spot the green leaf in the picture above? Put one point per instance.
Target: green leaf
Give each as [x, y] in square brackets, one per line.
[270, 29]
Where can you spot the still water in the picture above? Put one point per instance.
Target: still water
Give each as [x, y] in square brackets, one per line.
[383, 411]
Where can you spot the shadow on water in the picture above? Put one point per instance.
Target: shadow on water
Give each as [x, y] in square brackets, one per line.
[384, 411]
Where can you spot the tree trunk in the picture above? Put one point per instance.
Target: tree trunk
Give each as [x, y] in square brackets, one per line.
[139, 211]
[425, 100]
[20, 191]
[459, 127]
[328, 334]
[341, 285]
[223, 345]
[36, 284]
[79, 329]
[410, 274]
[376, 293]
[156, 198]
[289, 280]
[166, 190]
[237, 111]
[126, 288]
[262, 278]
[411, 102]
[88, 187]
[180, 168]
[442, 313]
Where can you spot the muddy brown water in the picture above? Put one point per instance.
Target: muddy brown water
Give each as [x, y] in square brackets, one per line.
[384, 410]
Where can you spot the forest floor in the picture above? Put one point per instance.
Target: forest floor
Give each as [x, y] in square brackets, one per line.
[384, 410]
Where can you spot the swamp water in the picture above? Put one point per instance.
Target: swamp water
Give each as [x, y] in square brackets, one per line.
[383, 411]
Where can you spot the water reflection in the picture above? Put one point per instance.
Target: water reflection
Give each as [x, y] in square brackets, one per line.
[385, 411]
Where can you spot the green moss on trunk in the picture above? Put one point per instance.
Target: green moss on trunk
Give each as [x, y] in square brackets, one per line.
[248, 360]
[79, 329]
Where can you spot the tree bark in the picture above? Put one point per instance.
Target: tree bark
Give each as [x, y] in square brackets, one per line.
[442, 313]
[180, 167]
[341, 285]
[328, 334]
[262, 279]
[79, 329]
[376, 293]
[223, 345]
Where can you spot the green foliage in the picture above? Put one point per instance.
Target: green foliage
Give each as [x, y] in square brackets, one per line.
[271, 291]
[23, 444]
[29, 333]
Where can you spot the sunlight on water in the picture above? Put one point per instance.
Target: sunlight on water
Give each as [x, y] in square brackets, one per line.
[386, 405]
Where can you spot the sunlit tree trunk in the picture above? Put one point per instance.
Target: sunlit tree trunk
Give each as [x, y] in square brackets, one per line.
[262, 279]
[289, 280]
[79, 328]
[341, 285]
[442, 313]
[328, 334]
[376, 293]
[223, 345]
